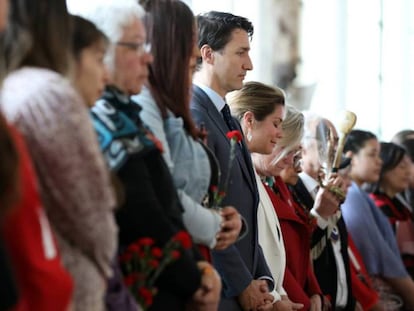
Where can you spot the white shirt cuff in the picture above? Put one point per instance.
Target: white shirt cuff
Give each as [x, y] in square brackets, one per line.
[276, 296]
[322, 223]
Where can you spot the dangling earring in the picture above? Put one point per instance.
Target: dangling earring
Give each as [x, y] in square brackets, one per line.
[249, 135]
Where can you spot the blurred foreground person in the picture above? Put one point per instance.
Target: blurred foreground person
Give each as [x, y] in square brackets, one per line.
[74, 181]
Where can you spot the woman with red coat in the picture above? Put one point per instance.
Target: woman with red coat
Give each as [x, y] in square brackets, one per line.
[296, 226]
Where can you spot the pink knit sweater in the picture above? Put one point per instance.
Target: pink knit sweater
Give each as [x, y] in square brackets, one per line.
[74, 180]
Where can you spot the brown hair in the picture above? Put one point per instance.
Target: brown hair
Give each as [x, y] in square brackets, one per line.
[9, 172]
[39, 34]
[259, 98]
[171, 31]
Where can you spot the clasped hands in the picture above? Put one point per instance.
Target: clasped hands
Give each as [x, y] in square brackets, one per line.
[256, 297]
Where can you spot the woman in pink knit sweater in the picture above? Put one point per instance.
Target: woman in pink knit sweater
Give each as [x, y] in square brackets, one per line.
[74, 182]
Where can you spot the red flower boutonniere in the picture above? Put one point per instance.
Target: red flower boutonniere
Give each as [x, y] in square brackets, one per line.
[234, 136]
[219, 194]
[143, 262]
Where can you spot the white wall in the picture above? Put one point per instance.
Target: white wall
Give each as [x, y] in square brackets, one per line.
[354, 63]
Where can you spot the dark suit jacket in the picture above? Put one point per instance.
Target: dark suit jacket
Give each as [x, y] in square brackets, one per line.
[325, 265]
[239, 264]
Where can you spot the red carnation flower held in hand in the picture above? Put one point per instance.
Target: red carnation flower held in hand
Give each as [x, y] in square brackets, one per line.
[184, 239]
[219, 194]
[143, 262]
[146, 294]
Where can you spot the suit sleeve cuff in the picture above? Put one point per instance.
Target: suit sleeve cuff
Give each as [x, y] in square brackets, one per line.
[269, 280]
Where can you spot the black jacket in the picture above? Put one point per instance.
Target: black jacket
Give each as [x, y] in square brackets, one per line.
[325, 264]
[151, 207]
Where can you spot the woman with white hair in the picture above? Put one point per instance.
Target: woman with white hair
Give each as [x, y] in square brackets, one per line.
[151, 207]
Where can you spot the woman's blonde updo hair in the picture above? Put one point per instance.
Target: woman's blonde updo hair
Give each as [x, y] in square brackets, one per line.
[293, 130]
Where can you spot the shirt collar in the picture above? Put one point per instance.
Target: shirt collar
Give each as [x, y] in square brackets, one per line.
[309, 182]
[217, 100]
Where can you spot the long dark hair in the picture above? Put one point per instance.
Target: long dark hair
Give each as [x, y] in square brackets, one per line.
[39, 34]
[171, 31]
[357, 139]
[391, 155]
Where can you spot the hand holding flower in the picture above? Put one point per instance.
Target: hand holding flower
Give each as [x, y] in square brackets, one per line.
[230, 228]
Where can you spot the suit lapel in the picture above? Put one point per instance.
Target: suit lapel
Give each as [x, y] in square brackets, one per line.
[242, 154]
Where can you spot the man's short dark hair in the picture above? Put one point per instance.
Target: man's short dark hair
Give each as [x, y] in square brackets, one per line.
[215, 28]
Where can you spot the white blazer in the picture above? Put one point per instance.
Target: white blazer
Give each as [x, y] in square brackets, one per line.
[270, 240]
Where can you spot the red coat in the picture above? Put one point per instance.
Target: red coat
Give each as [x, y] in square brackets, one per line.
[300, 282]
[43, 283]
[361, 284]
[392, 208]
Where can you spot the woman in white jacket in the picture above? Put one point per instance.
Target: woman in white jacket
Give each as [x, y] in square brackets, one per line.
[260, 110]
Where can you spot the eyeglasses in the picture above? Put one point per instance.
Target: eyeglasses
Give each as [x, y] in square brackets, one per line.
[297, 162]
[139, 48]
[297, 157]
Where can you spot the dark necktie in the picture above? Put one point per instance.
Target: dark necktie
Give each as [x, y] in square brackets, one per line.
[228, 118]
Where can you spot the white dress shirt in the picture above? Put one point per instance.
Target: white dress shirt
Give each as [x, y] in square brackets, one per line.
[312, 186]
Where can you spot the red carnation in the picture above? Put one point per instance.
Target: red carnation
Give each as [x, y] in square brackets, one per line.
[175, 254]
[156, 252]
[146, 295]
[236, 135]
[213, 188]
[184, 239]
[129, 280]
[133, 248]
[153, 263]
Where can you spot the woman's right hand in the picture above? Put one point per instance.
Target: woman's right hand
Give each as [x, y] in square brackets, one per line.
[230, 227]
[315, 303]
[207, 297]
[285, 304]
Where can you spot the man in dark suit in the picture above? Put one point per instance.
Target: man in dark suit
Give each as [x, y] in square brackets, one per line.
[224, 42]
[330, 239]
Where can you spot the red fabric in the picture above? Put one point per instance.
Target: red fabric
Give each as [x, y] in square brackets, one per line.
[394, 211]
[205, 252]
[300, 282]
[361, 289]
[43, 283]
